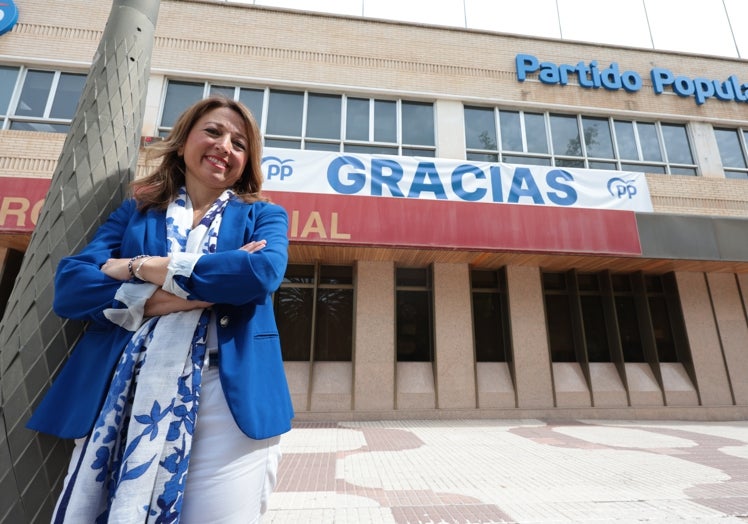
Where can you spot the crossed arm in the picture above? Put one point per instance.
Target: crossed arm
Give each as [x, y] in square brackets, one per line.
[154, 270]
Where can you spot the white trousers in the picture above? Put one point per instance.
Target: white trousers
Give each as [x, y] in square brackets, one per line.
[231, 476]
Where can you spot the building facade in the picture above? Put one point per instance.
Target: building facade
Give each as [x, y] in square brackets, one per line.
[441, 263]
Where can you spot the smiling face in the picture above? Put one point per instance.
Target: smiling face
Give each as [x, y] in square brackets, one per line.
[215, 153]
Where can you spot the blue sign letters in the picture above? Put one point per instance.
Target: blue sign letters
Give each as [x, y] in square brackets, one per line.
[592, 76]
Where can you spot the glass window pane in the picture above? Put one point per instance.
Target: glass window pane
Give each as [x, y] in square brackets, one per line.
[293, 314]
[688, 171]
[565, 135]
[286, 144]
[411, 151]
[676, 144]
[663, 333]
[626, 140]
[628, 327]
[357, 119]
[385, 121]
[69, 90]
[36, 87]
[537, 141]
[179, 96]
[299, 274]
[252, 98]
[643, 168]
[480, 128]
[40, 127]
[596, 164]
[8, 77]
[527, 160]
[418, 123]
[511, 131]
[412, 276]
[731, 174]
[341, 275]
[559, 328]
[334, 325]
[321, 146]
[323, 116]
[597, 137]
[649, 142]
[285, 111]
[484, 279]
[728, 141]
[226, 91]
[370, 150]
[564, 162]
[595, 333]
[413, 326]
[487, 328]
[482, 157]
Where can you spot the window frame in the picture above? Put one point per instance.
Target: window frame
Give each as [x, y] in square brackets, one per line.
[583, 160]
[316, 284]
[303, 140]
[53, 124]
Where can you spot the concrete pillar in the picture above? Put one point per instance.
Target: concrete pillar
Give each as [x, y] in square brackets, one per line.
[529, 338]
[450, 129]
[374, 332]
[733, 331]
[453, 337]
[704, 340]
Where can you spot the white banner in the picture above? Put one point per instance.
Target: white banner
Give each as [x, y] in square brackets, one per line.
[455, 180]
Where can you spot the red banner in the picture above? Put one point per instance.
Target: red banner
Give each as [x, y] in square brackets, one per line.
[405, 223]
[400, 222]
[21, 200]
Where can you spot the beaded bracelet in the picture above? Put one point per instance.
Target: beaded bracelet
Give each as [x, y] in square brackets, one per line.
[133, 274]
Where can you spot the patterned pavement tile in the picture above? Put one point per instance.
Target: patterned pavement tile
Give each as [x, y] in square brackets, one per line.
[523, 471]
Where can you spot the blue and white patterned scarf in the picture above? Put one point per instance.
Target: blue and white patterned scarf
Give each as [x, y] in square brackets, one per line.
[133, 465]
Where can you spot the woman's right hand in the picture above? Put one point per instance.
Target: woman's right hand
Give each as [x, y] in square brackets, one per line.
[163, 302]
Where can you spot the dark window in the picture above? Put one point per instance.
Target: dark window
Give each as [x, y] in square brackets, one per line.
[490, 316]
[314, 312]
[583, 308]
[414, 315]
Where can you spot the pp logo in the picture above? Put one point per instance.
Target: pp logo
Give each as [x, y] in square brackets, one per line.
[277, 167]
[619, 188]
[8, 15]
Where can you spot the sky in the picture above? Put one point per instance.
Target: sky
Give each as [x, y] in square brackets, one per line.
[708, 27]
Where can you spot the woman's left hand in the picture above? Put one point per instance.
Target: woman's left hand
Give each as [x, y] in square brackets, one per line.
[117, 268]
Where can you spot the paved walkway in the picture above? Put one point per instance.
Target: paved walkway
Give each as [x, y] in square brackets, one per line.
[524, 471]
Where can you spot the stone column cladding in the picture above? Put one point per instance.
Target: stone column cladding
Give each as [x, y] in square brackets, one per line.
[733, 331]
[97, 162]
[453, 337]
[374, 335]
[704, 339]
[450, 123]
[532, 364]
[706, 150]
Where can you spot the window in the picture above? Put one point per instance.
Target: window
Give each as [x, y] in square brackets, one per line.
[490, 316]
[320, 121]
[732, 151]
[37, 100]
[577, 141]
[414, 315]
[314, 313]
[603, 317]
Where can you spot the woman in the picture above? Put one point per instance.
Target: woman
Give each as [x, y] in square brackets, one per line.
[176, 287]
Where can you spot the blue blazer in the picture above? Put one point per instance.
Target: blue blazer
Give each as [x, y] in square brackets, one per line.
[238, 283]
